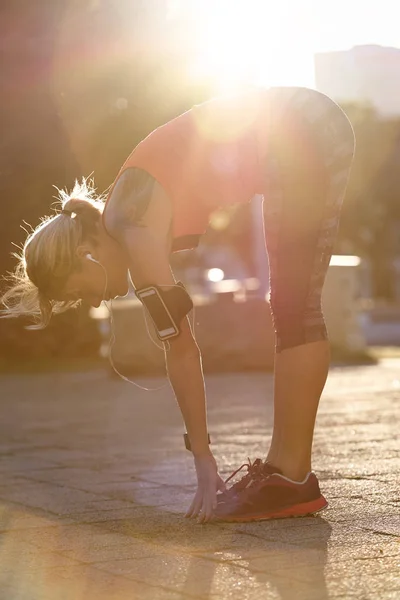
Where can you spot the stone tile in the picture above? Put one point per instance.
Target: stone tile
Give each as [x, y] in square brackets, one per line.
[14, 517]
[10, 479]
[117, 488]
[162, 497]
[173, 532]
[21, 560]
[338, 511]
[372, 586]
[309, 572]
[145, 493]
[85, 542]
[171, 476]
[346, 488]
[74, 476]
[21, 563]
[177, 508]
[357, 569]
[18, 589]
[344, 536]
[384, 547]
[386, 524]
[18, 465]
[190, 575]
[84, 478]
[273, 557]
[103, 516]
[57, 499]
[82, 583]
[58, 456]
[278, 555]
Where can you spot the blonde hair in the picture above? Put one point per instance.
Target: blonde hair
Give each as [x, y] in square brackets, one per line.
[49, 256]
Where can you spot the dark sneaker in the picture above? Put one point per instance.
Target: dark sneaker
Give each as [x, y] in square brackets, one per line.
[255, 471]
[273, 497]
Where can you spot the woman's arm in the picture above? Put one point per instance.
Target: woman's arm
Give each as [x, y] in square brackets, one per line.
[149, 265]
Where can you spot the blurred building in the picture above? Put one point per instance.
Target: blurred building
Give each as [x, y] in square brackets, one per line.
[368, 74]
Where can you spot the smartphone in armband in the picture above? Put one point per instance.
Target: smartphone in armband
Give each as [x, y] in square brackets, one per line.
[163, 321]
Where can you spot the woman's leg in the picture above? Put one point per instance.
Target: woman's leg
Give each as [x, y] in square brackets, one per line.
[306, 185]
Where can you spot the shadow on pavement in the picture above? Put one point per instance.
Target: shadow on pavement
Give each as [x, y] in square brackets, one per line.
[282, 559]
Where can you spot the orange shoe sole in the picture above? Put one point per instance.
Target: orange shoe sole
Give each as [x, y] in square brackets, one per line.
[299, 510]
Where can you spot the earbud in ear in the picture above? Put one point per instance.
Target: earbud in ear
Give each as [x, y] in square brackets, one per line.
[90, 257]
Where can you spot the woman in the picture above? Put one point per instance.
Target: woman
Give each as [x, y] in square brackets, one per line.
[294, 146]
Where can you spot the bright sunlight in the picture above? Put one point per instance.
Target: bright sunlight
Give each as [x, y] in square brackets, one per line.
[273, 42]
[250, 42]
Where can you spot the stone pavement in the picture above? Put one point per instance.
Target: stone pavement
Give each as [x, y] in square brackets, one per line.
[94, 481]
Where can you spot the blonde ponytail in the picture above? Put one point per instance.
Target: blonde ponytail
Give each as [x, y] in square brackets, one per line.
[49, 256]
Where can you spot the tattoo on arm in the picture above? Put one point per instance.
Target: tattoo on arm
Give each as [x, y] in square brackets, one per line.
[129, 200]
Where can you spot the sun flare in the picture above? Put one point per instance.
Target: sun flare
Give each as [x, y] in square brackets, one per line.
[257, 41]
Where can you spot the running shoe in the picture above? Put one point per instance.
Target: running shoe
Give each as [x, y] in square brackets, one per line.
[256, 470]
[273, 497]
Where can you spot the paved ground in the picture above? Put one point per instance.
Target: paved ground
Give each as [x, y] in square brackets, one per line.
[94, 482]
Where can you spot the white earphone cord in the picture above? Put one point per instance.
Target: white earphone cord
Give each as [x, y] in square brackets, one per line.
[112, 339]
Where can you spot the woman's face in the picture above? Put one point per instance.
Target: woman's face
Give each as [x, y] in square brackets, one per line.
[103, 273]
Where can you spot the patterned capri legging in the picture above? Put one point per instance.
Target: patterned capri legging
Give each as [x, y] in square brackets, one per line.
[306, 174]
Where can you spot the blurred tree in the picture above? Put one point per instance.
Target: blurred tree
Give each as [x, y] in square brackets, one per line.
[370, 224]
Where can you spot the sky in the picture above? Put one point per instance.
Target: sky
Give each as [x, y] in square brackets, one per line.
[274, 41]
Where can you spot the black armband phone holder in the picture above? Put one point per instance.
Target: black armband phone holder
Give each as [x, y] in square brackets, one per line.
[167, 308]
[178, 301]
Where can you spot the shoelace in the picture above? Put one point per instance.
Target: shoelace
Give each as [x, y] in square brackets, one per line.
[254, 472]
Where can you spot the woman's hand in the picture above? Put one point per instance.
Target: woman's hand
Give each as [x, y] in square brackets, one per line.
[208, 483]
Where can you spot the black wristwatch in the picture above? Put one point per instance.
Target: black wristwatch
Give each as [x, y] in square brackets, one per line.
[187, 441]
